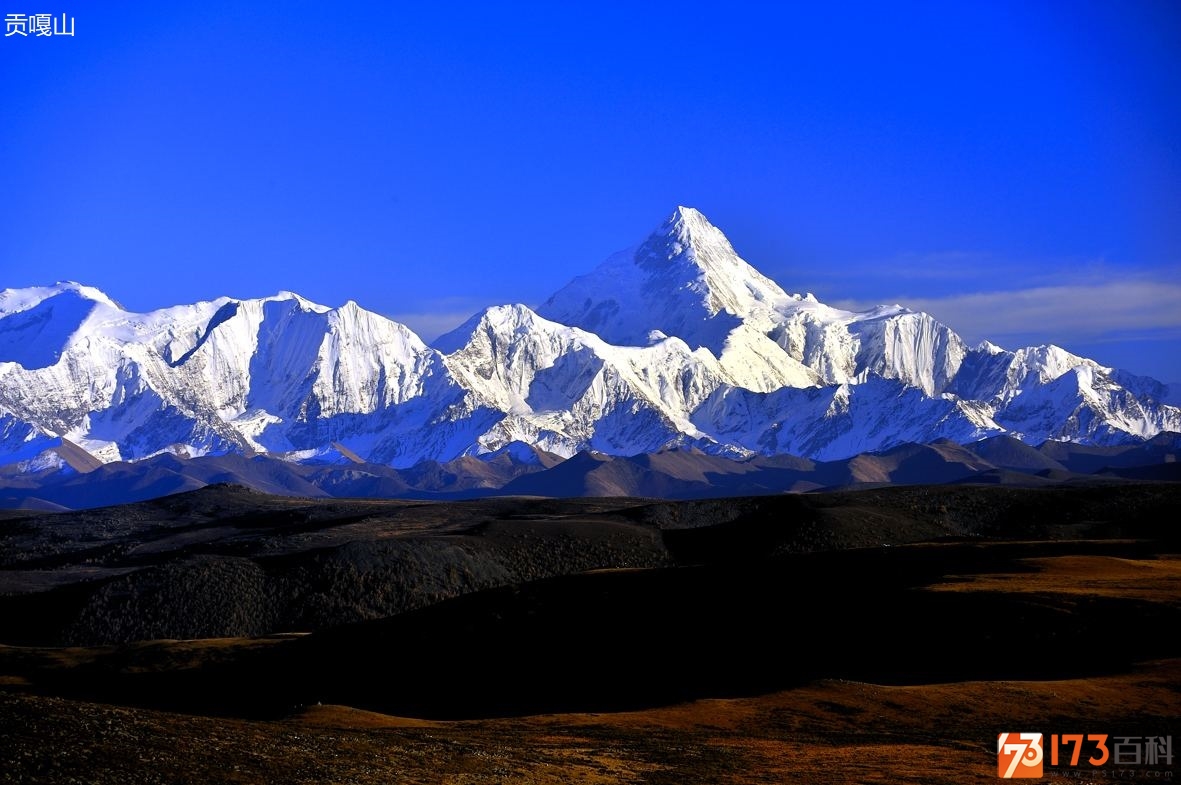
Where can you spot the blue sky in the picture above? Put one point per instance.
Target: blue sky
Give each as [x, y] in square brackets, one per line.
[1013, 168]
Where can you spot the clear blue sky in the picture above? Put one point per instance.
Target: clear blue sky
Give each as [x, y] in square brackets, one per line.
[1014, 168]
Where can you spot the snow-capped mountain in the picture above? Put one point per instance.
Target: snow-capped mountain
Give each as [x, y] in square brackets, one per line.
[686, 280]
[676, 342]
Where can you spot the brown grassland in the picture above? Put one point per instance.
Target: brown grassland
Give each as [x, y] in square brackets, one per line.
[823, 731]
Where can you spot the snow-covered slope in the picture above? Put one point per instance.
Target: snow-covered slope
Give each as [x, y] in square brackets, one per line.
[686, 280]
[679, 342]
[566, 389]
[211, 377]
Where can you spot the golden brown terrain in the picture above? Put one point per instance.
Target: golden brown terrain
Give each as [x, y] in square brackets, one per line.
[827, 732]
[822, 731]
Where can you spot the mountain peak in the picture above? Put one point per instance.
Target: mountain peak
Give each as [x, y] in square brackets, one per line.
[685, 221]
[37, 323]
[505, 319]
[301, 302]
[685, 280]
[17, 300]
[688, 233]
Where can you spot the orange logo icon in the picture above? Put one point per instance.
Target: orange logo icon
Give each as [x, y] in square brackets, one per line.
[1019, 756]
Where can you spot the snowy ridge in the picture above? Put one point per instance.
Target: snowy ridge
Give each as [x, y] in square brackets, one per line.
[677, 342]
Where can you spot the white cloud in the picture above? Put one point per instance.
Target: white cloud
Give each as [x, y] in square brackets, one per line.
[965, 271]
[1087, 311]
[430, 325]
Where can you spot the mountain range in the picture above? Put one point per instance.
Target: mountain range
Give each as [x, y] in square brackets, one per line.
[677, 344]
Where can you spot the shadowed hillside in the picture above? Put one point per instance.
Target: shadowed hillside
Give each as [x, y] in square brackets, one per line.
[789, 634]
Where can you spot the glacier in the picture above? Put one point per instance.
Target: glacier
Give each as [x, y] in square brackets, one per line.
[677, 342]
